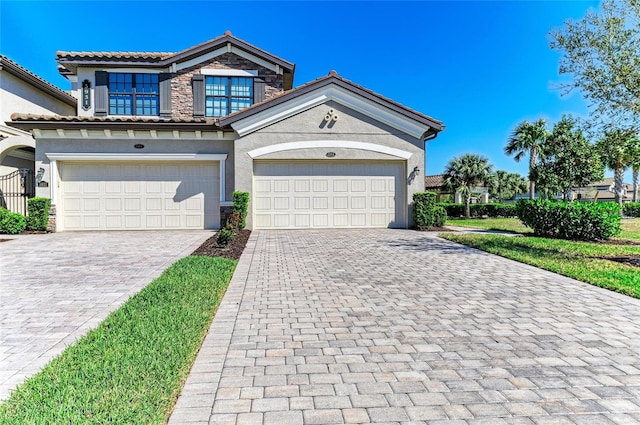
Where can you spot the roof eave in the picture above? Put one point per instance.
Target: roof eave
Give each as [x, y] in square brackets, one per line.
[34, 80]
[28, 125]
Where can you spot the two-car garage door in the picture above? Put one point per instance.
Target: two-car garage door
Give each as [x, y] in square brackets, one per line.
[328, 194]
[139, 195]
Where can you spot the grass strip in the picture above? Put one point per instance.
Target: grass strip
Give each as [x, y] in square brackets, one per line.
[572, 259]
[503, 224]
[131, 368]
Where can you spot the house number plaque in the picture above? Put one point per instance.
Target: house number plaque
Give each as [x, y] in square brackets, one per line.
[86, 95]
[138, 146]
[331, 154]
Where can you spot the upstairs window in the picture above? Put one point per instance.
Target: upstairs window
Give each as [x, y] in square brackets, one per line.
[133, 94]
[225, 95]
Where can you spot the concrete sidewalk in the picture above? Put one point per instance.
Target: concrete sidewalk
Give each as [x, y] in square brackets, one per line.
[396, 326]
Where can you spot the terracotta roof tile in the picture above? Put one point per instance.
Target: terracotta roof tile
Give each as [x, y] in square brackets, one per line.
[151, 56]
[72, 118]
[433, 181]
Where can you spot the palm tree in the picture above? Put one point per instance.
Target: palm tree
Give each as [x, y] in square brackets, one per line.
[528, 137]
[619, 149]
[504, 185]
[462, 174]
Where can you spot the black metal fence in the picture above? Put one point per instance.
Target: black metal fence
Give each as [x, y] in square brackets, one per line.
[16, 188]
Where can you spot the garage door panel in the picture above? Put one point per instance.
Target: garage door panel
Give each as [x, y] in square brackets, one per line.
[328, 194]
[139, 196]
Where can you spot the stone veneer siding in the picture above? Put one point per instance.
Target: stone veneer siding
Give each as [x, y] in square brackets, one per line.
[182, 92]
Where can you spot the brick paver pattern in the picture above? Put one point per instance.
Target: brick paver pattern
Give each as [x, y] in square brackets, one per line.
[55, 287]
[396, 326]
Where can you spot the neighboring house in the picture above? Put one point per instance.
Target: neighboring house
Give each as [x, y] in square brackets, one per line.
[603, 191]
[161, 141]
[434, 183]
[24, 92]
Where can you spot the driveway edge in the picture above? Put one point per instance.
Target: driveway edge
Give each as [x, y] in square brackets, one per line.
[195, 402]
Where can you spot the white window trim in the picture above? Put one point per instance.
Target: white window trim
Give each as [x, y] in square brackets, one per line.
[230, 72]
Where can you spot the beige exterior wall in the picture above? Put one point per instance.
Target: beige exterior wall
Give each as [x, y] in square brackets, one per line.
[310, 126]
[16, 95]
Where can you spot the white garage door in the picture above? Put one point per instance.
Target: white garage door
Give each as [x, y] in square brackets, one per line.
[140, 196]
[323, 194]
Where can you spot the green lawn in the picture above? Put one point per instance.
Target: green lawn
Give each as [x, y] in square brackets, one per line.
[630, 227]
[573, 259]
[131, 368]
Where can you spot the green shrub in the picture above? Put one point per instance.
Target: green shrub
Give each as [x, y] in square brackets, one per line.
[480, 210]
[453, 209]
[570, 220]
[225, 235]
[631, 209]
[241, 206]
[425, 212]
[3, 213]
[13, 223]
[38, 213]
[439, 216]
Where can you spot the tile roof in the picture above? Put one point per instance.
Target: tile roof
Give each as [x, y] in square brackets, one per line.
[434, 180]
[150, 56]
[69, 60]
[31, 121]
[33, 79]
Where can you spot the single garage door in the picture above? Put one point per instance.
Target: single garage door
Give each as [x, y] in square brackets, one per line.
[328, 194]
[140, 195]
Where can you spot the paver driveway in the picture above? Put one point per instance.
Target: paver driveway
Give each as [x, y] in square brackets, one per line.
[393, 326]
[55, 287]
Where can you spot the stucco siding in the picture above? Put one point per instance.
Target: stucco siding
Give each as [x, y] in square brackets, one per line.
[19, 96]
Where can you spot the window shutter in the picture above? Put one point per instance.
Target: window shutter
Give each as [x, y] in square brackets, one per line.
[258, 90]
[101, 94]
[164, 80]
[198, 95]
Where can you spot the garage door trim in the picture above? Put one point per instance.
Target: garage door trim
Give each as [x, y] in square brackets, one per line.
[256, 153]
[395, 170]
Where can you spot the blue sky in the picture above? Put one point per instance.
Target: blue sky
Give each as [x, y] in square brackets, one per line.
[480, 67]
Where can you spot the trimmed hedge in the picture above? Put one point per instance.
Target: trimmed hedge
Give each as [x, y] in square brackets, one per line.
[570, 220]
[425, 212]
[439, 216]
[480, 210]
[631, 209]
[241, 206]
[38, 213]
[12, 223]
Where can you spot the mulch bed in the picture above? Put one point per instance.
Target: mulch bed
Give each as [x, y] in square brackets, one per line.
[624, 242]
[629, 260]
[233, 250]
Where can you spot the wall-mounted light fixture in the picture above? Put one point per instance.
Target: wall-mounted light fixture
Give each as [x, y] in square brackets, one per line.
[331, 116]
[413, 175]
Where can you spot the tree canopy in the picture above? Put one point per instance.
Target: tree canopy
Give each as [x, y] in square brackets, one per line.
[602, 53]
[567, 160]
